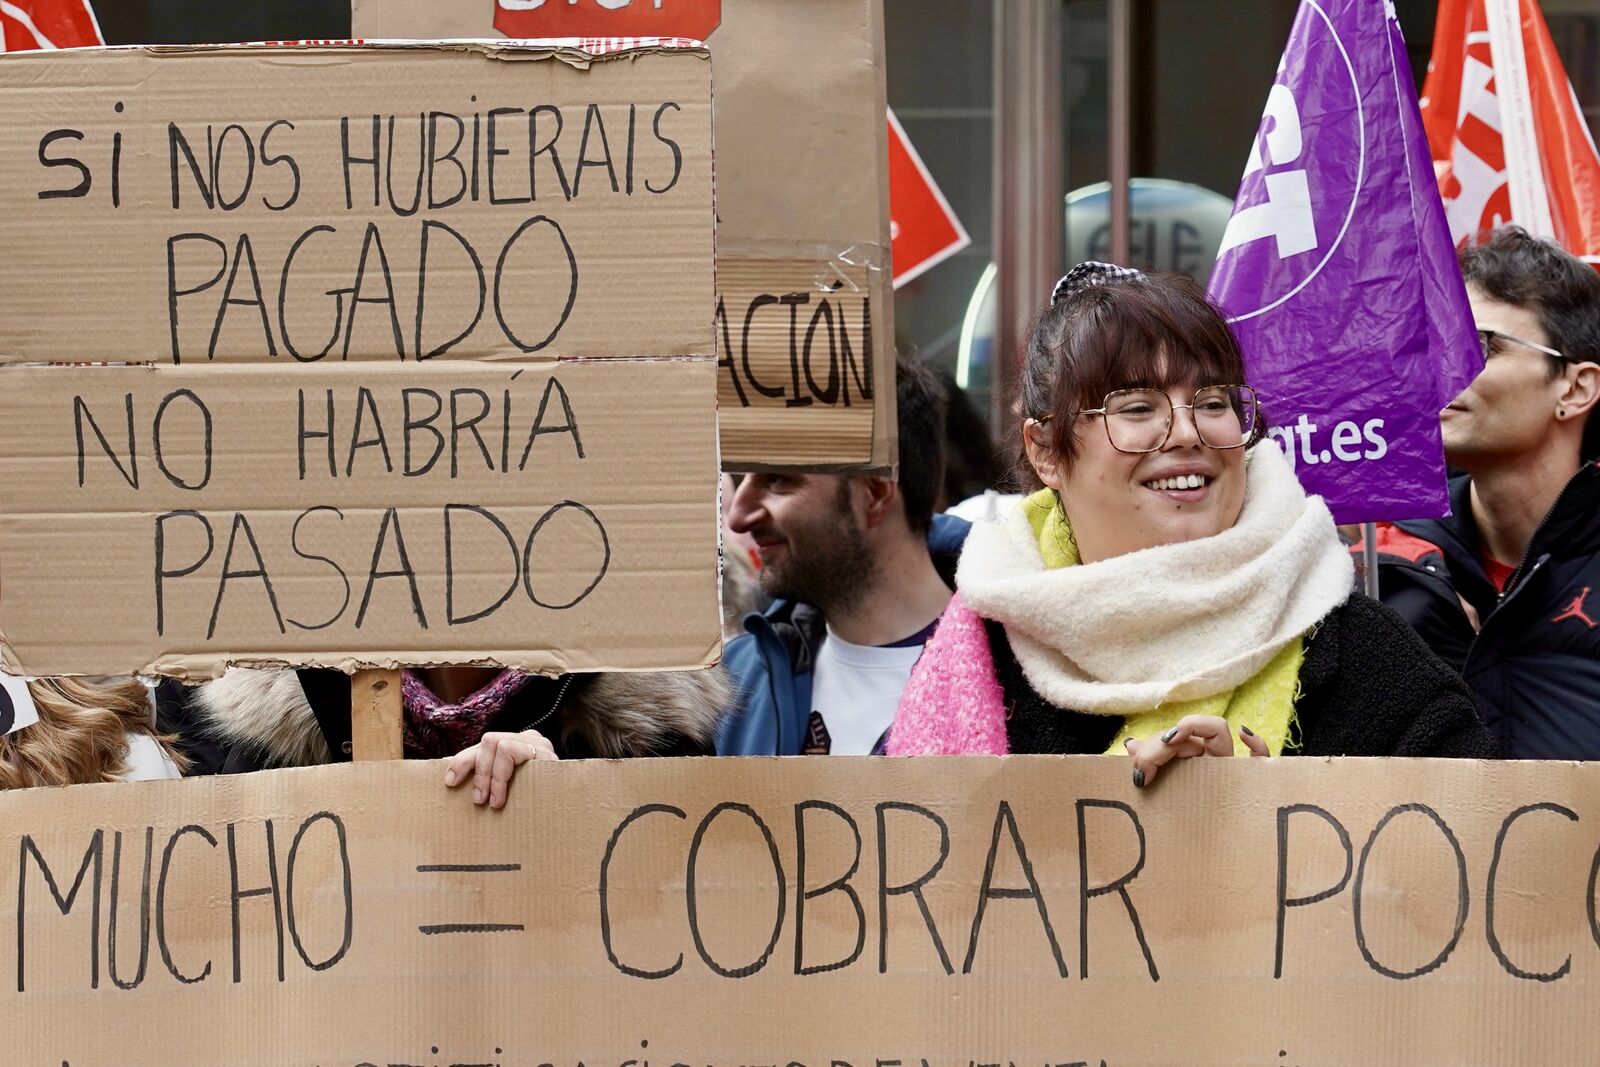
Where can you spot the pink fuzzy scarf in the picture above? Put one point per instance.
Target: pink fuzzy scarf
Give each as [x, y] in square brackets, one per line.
[953, 704]
[435, 728]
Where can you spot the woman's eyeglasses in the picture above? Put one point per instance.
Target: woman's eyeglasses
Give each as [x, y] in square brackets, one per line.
[1140, 420]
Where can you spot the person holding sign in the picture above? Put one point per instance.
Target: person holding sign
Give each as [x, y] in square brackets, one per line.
[1170, 591]
[68, 731]
[1507, 589]
[487, 721]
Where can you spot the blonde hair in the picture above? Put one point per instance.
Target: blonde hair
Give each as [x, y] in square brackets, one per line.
[82, 734]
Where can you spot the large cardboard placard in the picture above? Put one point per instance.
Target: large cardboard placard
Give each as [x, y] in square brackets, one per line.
[375, 433]
[806, 300]
[1030, 910]
[549, 518]
[325, 204]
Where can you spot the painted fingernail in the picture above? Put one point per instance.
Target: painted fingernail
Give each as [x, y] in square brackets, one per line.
[1138, 777]
[1247, 731]
[1166, 738]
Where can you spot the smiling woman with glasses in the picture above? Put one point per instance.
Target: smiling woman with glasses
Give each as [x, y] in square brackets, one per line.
[1169, 590]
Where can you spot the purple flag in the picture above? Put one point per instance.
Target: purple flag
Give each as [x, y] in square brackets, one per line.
[1339, 275]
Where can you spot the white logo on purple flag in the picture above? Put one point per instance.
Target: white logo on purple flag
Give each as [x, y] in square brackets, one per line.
[1286, 214]
[1276, 197]
[1339, 274]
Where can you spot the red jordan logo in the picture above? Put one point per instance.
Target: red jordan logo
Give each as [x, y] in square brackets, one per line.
[1575, 610]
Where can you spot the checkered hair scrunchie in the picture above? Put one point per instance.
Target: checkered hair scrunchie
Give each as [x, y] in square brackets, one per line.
[1089, 275]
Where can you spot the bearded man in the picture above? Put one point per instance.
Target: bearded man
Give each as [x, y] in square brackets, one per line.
[862, 570]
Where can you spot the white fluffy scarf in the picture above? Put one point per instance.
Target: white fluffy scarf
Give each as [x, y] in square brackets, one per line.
[1171, 623]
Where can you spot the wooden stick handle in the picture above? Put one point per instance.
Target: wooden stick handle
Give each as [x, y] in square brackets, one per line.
[375, 716]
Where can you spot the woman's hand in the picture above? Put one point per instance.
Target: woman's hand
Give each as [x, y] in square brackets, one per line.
[492, 761]
[1195, 735]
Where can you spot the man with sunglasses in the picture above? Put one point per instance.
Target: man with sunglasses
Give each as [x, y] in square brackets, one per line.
[1507, 589]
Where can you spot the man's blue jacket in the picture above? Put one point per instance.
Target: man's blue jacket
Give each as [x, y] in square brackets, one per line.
[771, 663]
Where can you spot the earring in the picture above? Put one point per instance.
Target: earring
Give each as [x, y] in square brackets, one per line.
[1561, 413]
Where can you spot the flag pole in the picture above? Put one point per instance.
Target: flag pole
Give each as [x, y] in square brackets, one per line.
[1369, 559]
[1119, 131]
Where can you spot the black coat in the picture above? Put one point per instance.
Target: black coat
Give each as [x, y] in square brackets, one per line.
[1368, 687]
[1534, 665]
[260, 719]
[176, 719]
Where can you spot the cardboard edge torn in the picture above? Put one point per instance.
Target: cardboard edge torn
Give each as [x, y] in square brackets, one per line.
[566, 50]
[202, 668]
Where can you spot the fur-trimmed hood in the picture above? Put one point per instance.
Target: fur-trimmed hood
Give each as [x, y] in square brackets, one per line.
[614, 715]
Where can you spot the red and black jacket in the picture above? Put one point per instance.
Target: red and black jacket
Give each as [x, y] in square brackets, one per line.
[1534, 664]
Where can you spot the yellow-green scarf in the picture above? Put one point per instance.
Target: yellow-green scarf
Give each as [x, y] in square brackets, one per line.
[1264, 703]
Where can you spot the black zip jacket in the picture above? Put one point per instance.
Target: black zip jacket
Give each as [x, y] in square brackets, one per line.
[1534, 664]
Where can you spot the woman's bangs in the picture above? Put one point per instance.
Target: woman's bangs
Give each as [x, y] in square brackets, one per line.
[1134, 345]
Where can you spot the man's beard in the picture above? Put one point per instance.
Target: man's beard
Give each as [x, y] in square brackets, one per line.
[830, 567]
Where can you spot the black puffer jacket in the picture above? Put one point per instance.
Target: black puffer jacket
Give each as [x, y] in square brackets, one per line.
[1534, 665]
[1368, 687]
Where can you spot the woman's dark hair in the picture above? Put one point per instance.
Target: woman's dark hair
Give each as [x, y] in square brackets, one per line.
[1516, 268]
[1153, 331]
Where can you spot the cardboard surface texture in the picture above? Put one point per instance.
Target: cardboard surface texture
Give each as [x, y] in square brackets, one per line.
[1027, 910]
[283, 204]
[575, 505]
[803, 209]
[481, 430]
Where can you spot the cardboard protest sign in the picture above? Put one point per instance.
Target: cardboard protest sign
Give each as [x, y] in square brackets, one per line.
[820, 912]
[299, 204]
[803, 246]
[1339, 274]
[539, 517]
[442, 393]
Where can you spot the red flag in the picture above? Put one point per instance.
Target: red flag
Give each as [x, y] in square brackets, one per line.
[922, 226]
[1508, 140]
[692, 19]
[30, 24]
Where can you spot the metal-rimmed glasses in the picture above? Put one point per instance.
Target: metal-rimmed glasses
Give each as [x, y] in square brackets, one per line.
[1491, 341]
[1140, 420]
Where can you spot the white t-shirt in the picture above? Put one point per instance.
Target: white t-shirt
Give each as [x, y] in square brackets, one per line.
[988, 506]
[856, 689]
[147, 761]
